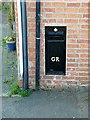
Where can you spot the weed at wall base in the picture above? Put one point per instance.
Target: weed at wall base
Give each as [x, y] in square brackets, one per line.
[15, 90]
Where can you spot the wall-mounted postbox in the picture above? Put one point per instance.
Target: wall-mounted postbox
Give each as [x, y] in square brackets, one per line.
[55, 50]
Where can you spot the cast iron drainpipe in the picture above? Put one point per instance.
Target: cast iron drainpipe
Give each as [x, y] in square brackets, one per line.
[24, 44]
[37, 43]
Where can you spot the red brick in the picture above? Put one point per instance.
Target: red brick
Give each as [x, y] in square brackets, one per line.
[47, 4]
[75, 16]
[73, 5]
[81, 78]
[47, 77]
[83, 74]
[83, 46]
[68, 78]
[82, 41]
[48, 81]
[49, 15]
[81, 69]
[71, 51]
[83, 21]
[57, 82]
[59, 20]
[45, 21]
[72, 41]
[59, 77]
[48, 9]
[83, 10]
[82, 60]
[85, 4]
[73, 46]
[52, 21]
[72, 65]
[83, 65]
[32, 4]
[72, 73]
[74, 36]
[70, 60]
[82, 51]
[73, 55]
[83, 32]
[58, 15]
[31, 9]
[84, 55]
[71, 21]
[86, 15]
[58, 4]
[60, 10]
[85, 26]
[71, 10]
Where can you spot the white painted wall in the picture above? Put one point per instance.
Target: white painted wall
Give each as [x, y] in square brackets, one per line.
[20, 40]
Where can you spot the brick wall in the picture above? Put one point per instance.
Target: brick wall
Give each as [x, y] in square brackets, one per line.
[75, 17]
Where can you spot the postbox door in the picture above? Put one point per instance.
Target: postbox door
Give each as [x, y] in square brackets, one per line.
[55, 55]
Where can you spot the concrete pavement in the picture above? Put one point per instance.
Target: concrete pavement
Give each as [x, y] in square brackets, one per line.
[64, 103]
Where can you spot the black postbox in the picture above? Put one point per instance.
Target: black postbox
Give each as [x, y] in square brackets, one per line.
[55, 50]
